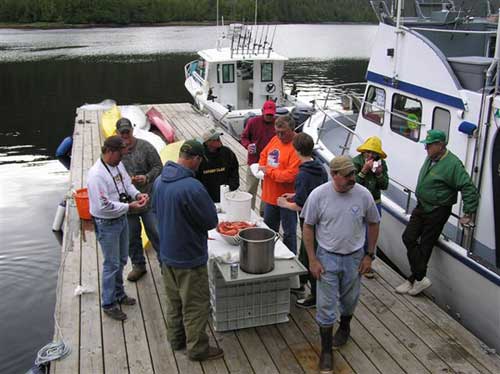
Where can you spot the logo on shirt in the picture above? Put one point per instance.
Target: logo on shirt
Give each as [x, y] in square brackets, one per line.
[355, 210]
[273, 158]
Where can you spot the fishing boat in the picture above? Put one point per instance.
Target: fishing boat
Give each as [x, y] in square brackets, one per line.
[440, 70]
[232, 82]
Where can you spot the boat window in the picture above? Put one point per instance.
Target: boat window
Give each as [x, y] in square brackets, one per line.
[373, 108]
[441, 120]
[245, 69]
[266, 72]
[228, 73]
[406, 116]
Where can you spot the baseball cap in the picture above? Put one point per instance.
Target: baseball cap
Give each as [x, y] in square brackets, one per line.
[211, 134]
[123, 124]
[434, 136]
[342, 165]
[193, 147]
[269, 107]
[113, 143]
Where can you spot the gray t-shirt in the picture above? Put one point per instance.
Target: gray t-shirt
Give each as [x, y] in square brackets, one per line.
[340, 218]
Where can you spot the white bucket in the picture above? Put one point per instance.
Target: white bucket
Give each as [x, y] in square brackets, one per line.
[238, 205]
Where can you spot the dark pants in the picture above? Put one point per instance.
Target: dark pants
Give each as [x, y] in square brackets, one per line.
[188, 308]
[420, 236]
[273, 215]
[305, 261]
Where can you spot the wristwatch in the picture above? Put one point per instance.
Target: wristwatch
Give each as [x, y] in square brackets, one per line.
[371, 255]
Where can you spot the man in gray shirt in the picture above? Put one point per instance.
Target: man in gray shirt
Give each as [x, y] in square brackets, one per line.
[339, 213]
[143, 164]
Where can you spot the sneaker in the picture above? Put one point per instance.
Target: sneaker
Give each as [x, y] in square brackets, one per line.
[137, 272]
[213, 354]
[306, 303]
[405, 287]
[127, 300]
[115, 313]
[419, 286]
[370, 274]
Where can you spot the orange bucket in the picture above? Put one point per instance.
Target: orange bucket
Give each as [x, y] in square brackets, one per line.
[82, 203]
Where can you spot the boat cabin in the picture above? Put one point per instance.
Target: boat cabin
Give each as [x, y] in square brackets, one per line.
[239, 81]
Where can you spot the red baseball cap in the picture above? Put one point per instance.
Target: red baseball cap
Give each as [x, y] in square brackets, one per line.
[269, 107]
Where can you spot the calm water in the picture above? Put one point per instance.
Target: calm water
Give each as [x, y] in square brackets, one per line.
[44, 76]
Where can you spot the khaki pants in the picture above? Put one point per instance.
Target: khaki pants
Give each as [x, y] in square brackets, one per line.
[188, 307]
[252, 187]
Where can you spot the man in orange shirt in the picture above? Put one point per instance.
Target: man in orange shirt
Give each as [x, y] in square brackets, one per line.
[280, 164]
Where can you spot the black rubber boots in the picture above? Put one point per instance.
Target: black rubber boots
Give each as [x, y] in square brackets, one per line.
[326, 356]
[342, 334]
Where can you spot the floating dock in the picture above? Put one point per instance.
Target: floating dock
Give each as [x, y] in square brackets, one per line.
[391, 333]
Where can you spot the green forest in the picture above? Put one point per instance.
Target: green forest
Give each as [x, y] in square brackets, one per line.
[125, 12]
[161, 11]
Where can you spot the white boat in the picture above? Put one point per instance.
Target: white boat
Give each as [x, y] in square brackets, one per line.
[232, 83]
[439, 71]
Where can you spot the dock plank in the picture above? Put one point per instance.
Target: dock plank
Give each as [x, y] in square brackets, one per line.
[452, 331]
[68, 306]
[453, 355]
[91, 359]
[255, 351]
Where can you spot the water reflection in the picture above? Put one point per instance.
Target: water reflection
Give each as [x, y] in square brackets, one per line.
[29, 259]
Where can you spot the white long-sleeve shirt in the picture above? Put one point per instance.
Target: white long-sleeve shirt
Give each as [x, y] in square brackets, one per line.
[104, 195]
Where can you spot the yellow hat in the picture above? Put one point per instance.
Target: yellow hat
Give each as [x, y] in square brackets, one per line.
[372, 144]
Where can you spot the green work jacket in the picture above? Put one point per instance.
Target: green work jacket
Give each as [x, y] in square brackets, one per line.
[439, 184]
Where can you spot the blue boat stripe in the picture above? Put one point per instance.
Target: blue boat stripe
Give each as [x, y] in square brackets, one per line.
[416, 90]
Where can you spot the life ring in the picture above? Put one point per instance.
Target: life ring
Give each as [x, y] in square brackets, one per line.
[270, 87]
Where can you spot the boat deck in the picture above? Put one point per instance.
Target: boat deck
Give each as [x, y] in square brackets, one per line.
[390, 333]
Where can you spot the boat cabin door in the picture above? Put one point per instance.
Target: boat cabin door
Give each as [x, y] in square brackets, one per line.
[226, 85]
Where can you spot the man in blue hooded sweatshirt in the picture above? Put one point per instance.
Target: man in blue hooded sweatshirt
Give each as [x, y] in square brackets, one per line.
[185, 213]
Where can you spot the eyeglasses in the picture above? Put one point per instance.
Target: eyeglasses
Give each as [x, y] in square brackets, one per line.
[350, 174]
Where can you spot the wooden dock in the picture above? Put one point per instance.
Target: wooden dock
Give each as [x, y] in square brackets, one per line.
[390, 333]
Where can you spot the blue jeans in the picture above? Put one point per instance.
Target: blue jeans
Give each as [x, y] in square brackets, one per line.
[338, 285]
[136, 251]
[273, 215]
[112, 235]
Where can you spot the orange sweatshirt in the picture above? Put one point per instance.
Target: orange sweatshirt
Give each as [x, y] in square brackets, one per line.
[282, 166]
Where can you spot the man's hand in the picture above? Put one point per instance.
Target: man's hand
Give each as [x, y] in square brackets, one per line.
[263, 169]
[139, 180]
[142, 197]
[137, 204]
[316, 268]
[465, 220]
[367, 166]
[366, 265]
[288, 196]
[282, 202]
[252, 148]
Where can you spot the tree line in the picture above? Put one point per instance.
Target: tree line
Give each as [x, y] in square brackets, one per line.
[124, 12]
[158, 11]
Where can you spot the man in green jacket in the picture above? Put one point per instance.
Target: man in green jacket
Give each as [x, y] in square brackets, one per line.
[441, 177]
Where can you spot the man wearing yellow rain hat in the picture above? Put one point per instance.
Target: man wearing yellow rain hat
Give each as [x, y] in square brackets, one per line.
[371, 172]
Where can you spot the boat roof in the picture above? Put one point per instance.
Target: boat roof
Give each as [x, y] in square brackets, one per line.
[224, 55]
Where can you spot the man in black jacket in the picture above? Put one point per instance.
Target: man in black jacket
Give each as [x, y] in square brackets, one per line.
[219, 167]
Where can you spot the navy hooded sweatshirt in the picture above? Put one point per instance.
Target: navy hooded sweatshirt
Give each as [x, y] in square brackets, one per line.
[311, 175]
[185, 213]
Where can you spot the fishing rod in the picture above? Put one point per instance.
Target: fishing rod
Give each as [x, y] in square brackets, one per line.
[249, 39]
[265, 40]
[255, 41]
[272, 42]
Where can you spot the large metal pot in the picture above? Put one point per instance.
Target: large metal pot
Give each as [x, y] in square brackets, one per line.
[257, 249]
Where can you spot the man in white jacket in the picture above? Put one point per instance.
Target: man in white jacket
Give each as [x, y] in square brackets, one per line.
[111, 196]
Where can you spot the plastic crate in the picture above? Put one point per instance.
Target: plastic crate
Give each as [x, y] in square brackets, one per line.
[249, 304]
